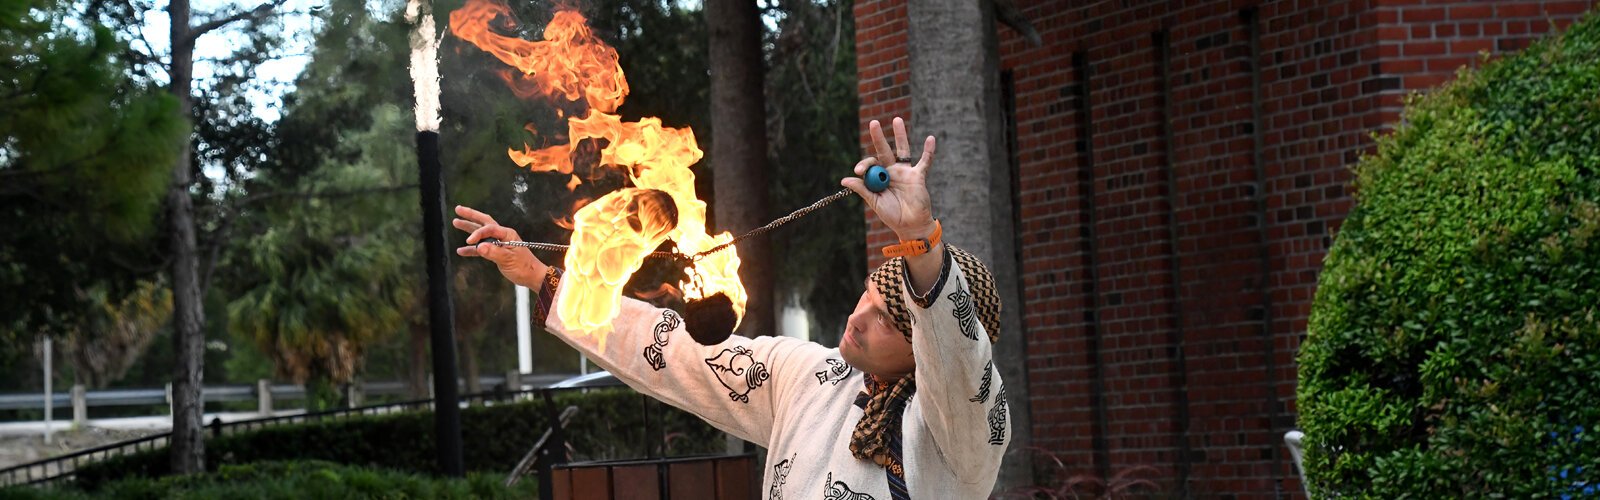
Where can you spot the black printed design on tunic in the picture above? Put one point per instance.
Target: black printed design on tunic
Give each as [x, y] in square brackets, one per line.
[997, 418]
[963, 311]
[836, 372]
[739, 372]
[983, 387]
[780, 474]
[837, 490]
[654, 353]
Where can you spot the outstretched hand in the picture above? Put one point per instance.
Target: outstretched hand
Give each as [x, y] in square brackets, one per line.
[517, 264]
[905, 206]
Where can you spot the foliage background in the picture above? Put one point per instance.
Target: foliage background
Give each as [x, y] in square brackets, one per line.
[293, 480]
[610, 424]
[1454, 347]
[308, 221]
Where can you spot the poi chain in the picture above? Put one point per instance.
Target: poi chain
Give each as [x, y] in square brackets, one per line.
[877, 181]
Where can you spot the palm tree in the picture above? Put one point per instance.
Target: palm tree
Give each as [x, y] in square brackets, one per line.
[326, 278]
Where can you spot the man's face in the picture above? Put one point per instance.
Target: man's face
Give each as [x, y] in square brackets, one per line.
[871, 343]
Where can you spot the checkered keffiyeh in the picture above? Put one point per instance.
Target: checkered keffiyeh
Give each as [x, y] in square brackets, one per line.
[881, 420]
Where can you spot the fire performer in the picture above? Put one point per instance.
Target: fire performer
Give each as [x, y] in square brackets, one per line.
[837, 423]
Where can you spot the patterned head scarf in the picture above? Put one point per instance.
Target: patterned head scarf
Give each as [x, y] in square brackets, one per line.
[881, 420]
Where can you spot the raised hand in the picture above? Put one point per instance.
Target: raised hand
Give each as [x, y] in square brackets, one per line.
[517, 264]
[905, 206]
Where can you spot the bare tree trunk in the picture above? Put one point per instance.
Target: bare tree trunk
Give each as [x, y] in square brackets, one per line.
[739, 149]
[188, 318]
[955, 96]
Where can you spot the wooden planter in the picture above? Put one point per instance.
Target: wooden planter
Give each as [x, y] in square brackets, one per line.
[730, 477]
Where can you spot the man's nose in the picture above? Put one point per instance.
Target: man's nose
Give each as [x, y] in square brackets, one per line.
[854, 321]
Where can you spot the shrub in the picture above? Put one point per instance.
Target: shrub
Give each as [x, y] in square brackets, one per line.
[609, 424]
[292, 480]
[1454, 346]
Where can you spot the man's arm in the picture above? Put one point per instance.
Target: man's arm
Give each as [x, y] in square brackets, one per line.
[734, 385]
[958, 388]
[959, 391]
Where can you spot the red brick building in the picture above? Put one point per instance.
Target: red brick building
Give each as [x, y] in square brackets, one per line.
[1182, 168]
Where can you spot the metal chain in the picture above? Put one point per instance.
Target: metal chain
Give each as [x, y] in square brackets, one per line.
[545, 247]
[553, 247]
[778, 222]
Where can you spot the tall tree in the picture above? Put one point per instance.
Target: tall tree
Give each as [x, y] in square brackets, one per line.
[739, 148]
[955, 96]
[188, 445]
[82, 159]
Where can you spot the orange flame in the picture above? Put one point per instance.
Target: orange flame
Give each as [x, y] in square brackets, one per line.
[570, 62]
[612, 235]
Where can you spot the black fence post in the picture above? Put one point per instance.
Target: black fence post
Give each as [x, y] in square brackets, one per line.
[558, 442]
[216, 427]
[644, 411]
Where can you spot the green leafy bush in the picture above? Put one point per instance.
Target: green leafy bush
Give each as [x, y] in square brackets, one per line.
[609, 424]
[1454, 346]
[291, 480]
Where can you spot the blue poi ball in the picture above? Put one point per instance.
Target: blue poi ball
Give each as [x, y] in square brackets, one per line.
[877, 178]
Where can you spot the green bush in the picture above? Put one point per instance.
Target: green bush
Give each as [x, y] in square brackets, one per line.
[1454, 346]
[609, 424]
[291, 480]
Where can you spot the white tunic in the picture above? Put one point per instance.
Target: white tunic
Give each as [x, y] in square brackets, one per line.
[797, 398]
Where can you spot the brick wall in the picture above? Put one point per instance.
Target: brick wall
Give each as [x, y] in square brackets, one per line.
[1181, 287]
[883, 81]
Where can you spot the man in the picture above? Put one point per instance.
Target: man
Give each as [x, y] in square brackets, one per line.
[909, 405]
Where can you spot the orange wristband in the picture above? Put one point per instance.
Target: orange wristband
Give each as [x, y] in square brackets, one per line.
[915, 247]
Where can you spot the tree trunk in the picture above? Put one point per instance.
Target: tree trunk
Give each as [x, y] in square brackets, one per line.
[188, 308]
[739, 149]
[955, 96]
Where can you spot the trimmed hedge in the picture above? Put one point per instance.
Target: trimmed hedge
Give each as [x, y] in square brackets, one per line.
[609, 424]
[292, 480]
[1454, 345]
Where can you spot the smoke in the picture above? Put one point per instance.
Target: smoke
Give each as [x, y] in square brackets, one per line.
[424, 64]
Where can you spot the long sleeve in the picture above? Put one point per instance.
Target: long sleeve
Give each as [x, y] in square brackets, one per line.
[737, 385]
[962, 398]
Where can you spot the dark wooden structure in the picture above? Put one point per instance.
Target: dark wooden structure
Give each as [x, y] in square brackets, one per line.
[719, 477]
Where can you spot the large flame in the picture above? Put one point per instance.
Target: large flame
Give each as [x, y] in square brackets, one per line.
[612, 235]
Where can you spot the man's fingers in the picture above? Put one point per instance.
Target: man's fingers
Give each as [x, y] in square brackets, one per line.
[465, 225]
[880, 145]
[902, 142]
[473, 215]
[860, 187]
[468, 251]
[486, 232]
[486, 250]
[927, 153]
[861, 166]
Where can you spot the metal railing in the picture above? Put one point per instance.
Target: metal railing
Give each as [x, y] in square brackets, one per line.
[65, 466]
[223, 393]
